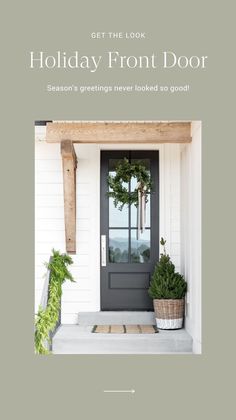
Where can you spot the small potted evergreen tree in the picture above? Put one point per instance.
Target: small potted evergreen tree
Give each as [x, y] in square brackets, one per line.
[167, 289]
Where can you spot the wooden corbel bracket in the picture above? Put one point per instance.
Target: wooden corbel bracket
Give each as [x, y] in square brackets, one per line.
[69, 162]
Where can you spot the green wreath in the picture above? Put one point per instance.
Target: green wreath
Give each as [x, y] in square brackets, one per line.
[124, 172]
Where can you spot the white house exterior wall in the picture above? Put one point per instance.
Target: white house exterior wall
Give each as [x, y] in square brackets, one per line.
[191, 232]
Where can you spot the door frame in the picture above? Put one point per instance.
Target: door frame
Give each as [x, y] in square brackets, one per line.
[154, 239]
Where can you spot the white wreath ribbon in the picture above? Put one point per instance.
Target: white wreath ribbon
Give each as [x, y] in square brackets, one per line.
[141, 210]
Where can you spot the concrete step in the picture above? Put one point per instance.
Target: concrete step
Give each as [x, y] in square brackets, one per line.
[77, 339]
[116, 318]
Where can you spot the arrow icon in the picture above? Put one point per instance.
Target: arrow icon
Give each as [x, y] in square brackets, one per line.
[131, 391]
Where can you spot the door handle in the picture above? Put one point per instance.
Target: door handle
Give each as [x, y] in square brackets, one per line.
[104, 250]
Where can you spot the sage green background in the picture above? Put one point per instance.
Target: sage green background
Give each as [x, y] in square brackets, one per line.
[177, 386]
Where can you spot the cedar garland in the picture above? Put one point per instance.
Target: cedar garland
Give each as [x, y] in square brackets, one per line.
[47, 318]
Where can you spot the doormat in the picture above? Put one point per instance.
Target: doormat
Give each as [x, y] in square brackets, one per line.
[125, 329]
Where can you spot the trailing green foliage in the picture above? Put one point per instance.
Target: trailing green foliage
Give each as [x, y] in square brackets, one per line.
[166, 283]
[124, 172]
[47, 318]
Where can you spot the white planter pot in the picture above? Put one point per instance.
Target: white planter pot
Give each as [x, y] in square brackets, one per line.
[169, 324]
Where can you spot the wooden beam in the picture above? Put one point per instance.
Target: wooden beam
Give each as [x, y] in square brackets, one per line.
[119, 132]
[69, 163]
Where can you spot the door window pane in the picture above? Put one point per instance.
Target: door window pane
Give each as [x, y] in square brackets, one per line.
[118, 218]
[118, 245]
[144, 162]
[134, 214]
[140, 248]
[112, 171]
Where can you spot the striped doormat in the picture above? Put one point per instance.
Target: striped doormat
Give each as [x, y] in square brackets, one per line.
[125, 329]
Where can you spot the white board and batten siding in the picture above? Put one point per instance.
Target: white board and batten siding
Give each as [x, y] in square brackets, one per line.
[191, 235]
[49, 227]
[84, 295]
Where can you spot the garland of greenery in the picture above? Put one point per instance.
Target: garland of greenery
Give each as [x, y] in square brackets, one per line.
[124, 172]
[47, 318]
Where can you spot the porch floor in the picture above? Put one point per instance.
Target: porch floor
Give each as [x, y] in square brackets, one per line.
[79, 339]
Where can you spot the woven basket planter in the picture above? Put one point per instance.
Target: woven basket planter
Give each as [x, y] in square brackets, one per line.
[169, 313]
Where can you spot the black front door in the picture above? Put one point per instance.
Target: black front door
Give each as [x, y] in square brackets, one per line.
[127, 263]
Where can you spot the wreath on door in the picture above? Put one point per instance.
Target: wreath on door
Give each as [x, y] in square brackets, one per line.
[120, 193]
